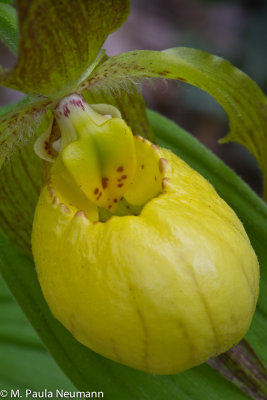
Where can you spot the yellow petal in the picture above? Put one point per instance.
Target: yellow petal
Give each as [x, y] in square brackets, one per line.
[97, 150]
[162, 291]
[150, 168]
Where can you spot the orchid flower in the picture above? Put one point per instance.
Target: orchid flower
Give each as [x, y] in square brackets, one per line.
[136, 254]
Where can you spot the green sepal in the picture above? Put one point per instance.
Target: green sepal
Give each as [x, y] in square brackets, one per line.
[8, 26]
[241, 98]
[21, 124]
[59, 40]
[20, 186]
[22, 350]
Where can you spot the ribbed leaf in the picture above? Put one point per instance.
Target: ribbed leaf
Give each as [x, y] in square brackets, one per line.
[20, 185]
[242, 99]
[59, 40]
[20, 125]
[22, 352]
[8, 26]
[89, 370]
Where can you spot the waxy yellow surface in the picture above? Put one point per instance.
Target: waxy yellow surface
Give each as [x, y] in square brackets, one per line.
[162, 291]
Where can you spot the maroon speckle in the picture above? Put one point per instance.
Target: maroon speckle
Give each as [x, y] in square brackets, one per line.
[120, 185]
[120, 169]
[105, 182]
[142, 166]
[80, 213]
[110, 206]
[141, 138]
[51, 191]
[115, 200]
[100, 194]
[64, 208]
[162, 165]
[77, 103]
[124, 177]
[66, 110]
[55, 200]
[96, 190]
[164, 182]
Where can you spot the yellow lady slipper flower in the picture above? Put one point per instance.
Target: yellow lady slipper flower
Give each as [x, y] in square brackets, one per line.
[136, 254]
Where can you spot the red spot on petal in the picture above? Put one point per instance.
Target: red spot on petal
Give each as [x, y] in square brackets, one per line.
[80, 213]
[105, 182]
[162, 165]
[124, 177]
[115, 200]
[96, 190]
[77, 103]
[66, 110]
[142, 166]
[51, 191]
[120, 169]
[55, 200]
[164, 183]
[64, 208]
[120, 185]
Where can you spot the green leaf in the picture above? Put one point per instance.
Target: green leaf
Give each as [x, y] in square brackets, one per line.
[59, 40]
[22, 352]
[6, 1]
[241, 98]
[8, 26]
[20, 185]
[16, 106]
[89, 370]
[19, 125]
